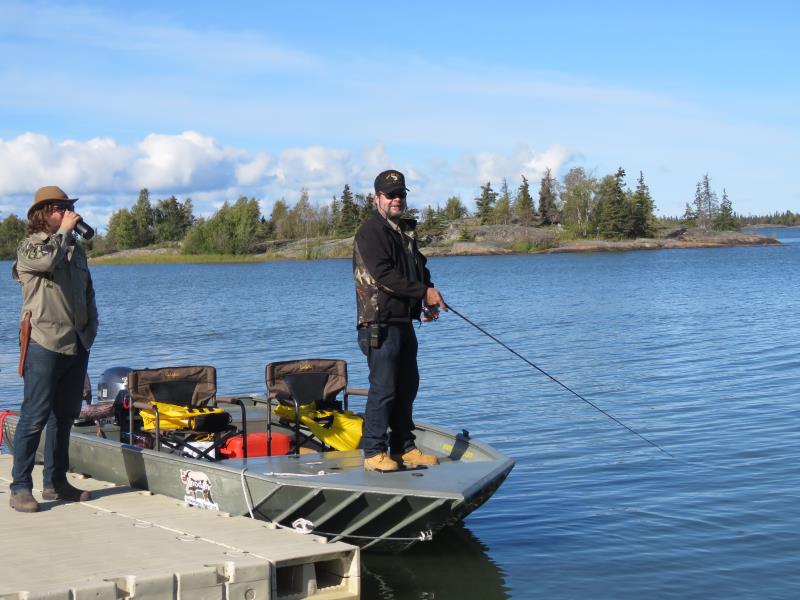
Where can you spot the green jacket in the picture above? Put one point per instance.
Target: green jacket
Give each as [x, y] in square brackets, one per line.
[57, 290]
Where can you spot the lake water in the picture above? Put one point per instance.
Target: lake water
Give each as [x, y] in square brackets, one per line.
[698, 350]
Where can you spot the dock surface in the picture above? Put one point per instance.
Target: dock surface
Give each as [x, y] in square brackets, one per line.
[128, 543]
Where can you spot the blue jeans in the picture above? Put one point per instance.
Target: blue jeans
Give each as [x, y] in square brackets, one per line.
[393, 385]
[52, 399]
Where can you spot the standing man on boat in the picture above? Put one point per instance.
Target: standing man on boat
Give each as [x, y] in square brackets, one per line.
[59, 324]
[393, 287]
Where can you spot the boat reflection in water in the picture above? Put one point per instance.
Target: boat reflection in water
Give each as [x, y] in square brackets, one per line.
[454, 565]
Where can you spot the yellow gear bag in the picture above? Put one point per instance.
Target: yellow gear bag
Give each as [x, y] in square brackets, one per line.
[174, 416]
[340, 430]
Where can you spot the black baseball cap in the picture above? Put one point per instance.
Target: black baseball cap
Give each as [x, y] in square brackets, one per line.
[390, 181]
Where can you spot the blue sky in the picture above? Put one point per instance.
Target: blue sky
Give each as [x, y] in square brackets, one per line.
[264, 99]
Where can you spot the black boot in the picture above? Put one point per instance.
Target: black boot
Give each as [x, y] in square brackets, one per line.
[24, 502]
[65, 491]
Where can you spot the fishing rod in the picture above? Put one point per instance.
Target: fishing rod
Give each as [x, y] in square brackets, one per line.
[543, 372]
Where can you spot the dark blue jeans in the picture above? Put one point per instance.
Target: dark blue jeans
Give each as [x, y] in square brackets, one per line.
[52, 400]
[393, 385]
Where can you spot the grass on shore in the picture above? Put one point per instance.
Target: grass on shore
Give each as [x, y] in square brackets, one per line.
[151, 259]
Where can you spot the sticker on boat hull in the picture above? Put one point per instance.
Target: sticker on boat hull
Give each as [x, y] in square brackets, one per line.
[197, 488]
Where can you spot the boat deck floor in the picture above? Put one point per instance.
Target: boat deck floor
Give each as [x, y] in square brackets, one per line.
[130, 543]
[450, 478]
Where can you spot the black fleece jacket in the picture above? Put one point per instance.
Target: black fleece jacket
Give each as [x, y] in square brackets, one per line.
[396, 277]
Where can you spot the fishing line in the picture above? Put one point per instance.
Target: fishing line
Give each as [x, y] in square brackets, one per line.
[543, 372]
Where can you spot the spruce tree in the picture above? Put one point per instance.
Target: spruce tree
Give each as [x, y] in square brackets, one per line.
[725, 220]
[614, 223]
[143, 220]
[366, 206]
[706, 205]
[172, 219]
[689, 214]
[484, 204]
[642, 222]
[336, 214]
[349, 215]
[523, 204]
[548, 206]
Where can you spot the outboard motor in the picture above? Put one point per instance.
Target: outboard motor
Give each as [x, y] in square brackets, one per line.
[113, 385]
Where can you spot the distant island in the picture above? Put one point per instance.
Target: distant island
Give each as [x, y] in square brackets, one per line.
[457, 240]
[580, 213]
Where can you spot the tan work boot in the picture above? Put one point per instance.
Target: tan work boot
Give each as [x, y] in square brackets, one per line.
[380, 462]
[415, 458]
[24, 502]
[65, 491]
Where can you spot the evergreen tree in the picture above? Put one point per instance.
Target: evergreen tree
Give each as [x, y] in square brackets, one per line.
[484, 204]
[336, 213]
[614, 222]
[689, 213]
[548, 204]
[454, 210]
[523, 204]
[349, 214]
[172, 219]
[432, 221]
[725, 220]
[642, 222]
[366, 206]
[706, 205]
[143, 220]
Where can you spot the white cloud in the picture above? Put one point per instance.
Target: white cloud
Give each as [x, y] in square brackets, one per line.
[108, 175]
[184, 162]
[32, 160]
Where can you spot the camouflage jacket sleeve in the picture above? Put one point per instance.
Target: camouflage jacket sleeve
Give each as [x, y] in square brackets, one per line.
[40, 253]
[375, 248]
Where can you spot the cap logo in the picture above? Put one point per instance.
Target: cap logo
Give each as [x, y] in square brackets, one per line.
[392, 177]
[305, 366]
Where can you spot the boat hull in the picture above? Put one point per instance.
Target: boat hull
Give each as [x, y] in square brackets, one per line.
[328, 493]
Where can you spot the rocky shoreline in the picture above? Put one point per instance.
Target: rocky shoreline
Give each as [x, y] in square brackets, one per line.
[458, 241]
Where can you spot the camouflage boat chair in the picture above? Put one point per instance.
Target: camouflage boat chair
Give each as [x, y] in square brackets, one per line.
[179, 406]
[304, 395]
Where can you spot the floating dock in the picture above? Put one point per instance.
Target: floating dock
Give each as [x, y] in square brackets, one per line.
[128, 543]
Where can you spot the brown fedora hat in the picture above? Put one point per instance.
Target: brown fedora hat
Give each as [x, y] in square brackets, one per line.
[49, 194]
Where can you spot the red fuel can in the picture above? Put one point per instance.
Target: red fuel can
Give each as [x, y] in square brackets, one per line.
[256, 445]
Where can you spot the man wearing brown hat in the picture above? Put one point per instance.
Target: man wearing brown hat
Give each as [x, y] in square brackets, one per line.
[59, 312]
[393, 286]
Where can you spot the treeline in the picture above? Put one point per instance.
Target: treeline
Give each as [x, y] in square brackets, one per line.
[12, 230]
[236, 228]
[787, 218]
[580, 204]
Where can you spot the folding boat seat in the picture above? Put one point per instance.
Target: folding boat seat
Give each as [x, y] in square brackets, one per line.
[178, 405]
[304, 395]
